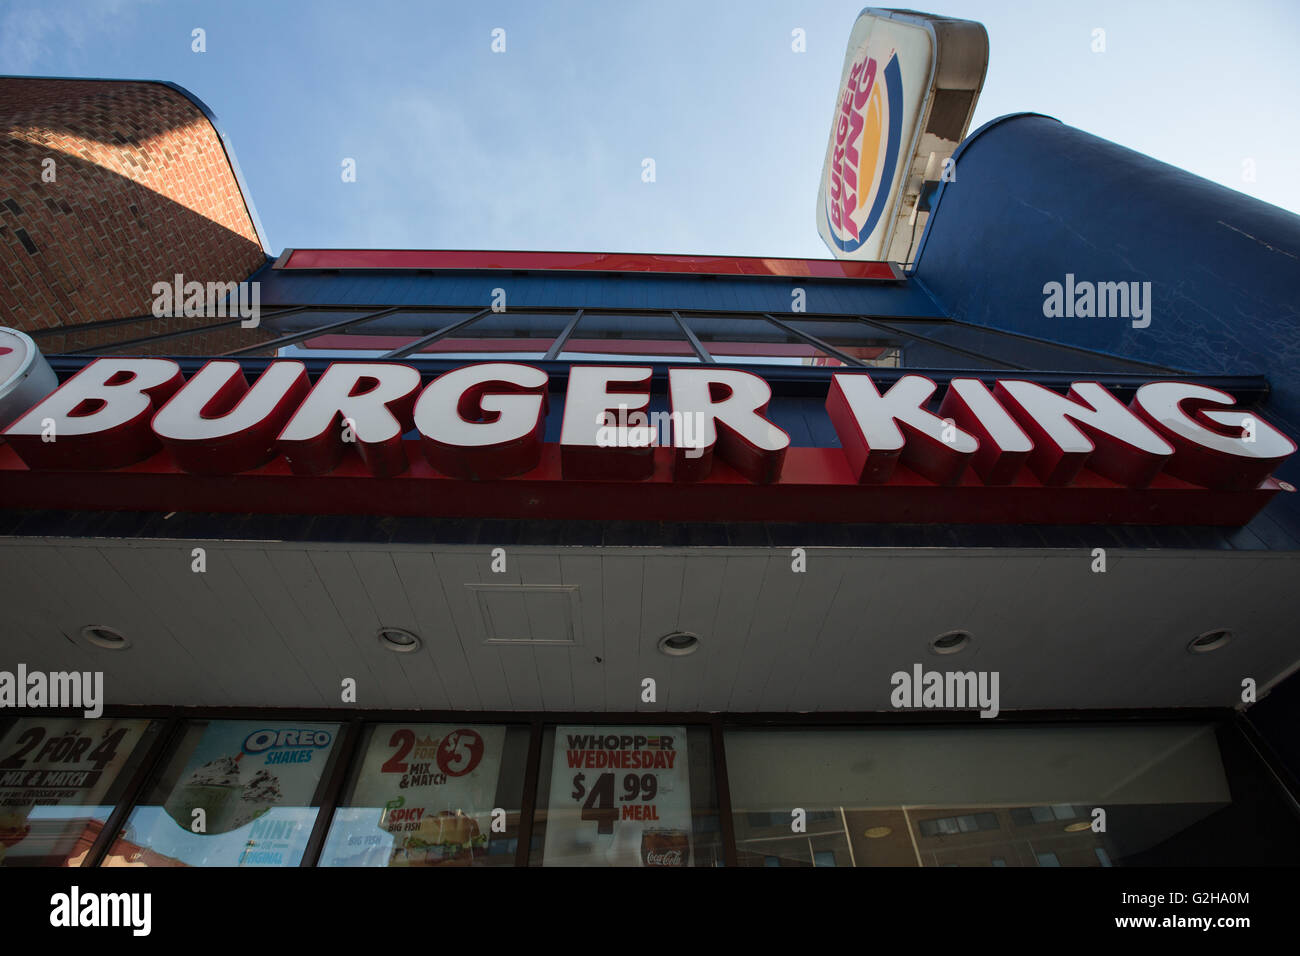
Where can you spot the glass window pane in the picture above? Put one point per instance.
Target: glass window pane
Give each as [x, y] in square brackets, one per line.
[369, 339]
[627, 795]
[60, 778]
[612, 337]
[522, 334]
[423, 795]
[867, 344]
[253, 786]
[941, 796]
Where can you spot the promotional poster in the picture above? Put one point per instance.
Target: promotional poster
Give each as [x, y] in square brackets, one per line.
[47, 768]
[423, 797]
[242, 799]
[619, 798]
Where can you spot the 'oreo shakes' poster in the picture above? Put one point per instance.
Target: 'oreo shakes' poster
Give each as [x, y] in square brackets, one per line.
[620, 796]
[243, 797]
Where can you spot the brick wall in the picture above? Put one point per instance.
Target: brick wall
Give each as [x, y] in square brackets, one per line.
[141, 190]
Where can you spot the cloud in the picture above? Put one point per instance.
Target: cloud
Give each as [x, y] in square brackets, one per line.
[34, 38]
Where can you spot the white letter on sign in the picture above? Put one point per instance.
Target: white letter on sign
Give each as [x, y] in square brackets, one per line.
[101, 415]
[217, 425]
[1064, 427]
[1003, 445]
[1202, 456]
[867, 424]
[582, 454]
[376, 397]
[483, 421]
[726, 408]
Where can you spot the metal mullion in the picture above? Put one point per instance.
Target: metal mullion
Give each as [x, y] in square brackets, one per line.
[179, 333]
[354, 730]
[813, 340]
[309, 333]
[155, 338]
[943, 345]
[420, 343]
[148, 771]
[528, 802]
[700, 351]
[1061, 345]
[721, 785]
[558, 345]
[127, 320]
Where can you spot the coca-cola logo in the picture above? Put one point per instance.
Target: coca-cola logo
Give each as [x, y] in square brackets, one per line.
[666, 858]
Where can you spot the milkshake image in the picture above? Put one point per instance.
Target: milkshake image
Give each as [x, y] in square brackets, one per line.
[219, 790]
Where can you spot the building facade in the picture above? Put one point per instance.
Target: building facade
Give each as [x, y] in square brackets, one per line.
[418, 557]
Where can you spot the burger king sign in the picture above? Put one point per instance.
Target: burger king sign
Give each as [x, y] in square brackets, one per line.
[879, 124]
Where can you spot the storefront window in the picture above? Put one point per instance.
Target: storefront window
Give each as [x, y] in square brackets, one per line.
[1007, 796]
[617, 337]
[59, 781]
[233, 793]
[626, 795]
[746, 340]
[431, 795]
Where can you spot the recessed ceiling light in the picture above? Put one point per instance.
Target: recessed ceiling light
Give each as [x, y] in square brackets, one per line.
[1078, 826]
[106, 637]
[398, 639]
[952, 642]
[875, 833]
[679, 643]
[1210, 641]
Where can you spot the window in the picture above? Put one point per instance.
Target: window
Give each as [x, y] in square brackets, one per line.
[627, 795]
[426, 795]
[992, 794]
[751, 340]
[59, 781]
[869, 345]
[618, 337]
[234, 793]
[502, 336]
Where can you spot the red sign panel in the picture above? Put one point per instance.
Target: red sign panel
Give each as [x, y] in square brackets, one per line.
[468, 259]
[373, 438]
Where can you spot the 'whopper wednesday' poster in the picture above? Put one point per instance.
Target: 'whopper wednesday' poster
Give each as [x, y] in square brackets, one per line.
[620, 796]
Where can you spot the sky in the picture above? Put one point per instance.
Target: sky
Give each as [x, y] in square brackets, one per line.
[541, 147]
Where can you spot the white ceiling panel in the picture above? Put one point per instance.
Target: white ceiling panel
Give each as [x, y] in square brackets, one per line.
[283, 624]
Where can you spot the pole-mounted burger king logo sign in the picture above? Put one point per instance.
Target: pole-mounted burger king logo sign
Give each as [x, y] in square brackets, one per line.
[383, 438]
[906, 95]
[864, 150]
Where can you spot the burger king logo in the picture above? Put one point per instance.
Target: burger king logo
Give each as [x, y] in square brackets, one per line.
[25, 376]
[865, 141]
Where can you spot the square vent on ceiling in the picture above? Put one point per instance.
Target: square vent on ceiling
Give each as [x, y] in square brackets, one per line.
[529, 613]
